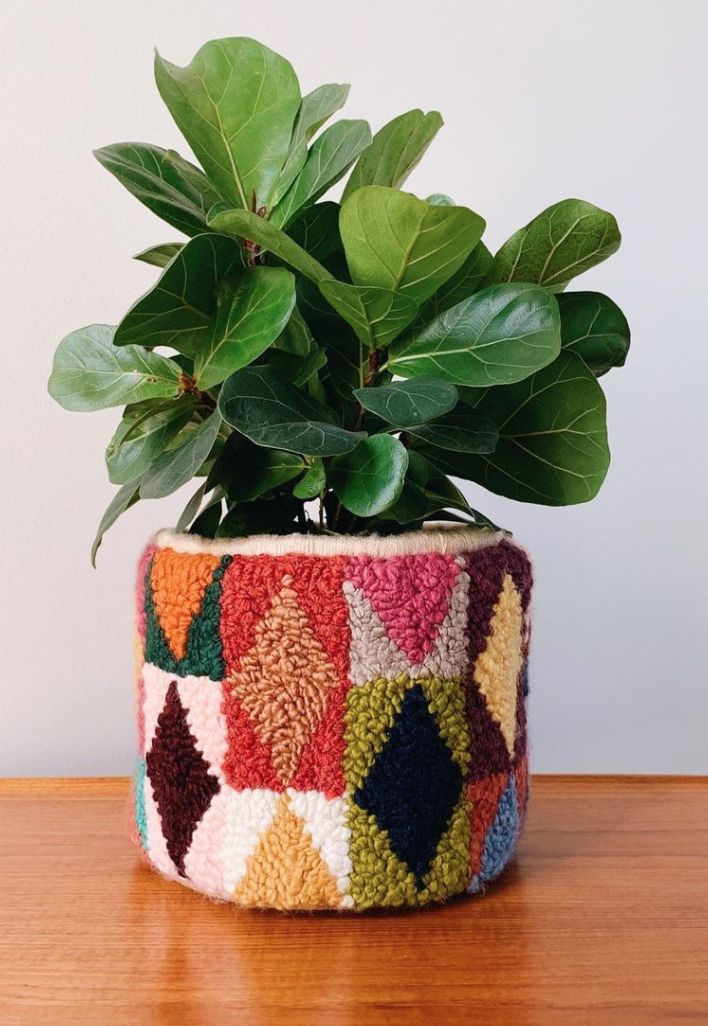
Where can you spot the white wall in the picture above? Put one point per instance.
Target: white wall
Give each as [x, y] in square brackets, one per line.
[543, 99]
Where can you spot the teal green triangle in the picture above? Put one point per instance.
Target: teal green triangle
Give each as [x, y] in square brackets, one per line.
[204, 656]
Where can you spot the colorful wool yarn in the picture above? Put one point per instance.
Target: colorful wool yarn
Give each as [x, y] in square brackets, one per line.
[332, 722]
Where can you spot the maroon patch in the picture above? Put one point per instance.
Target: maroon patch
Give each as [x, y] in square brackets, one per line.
[180, 778]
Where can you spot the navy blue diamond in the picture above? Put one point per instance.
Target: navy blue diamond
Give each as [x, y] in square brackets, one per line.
[413, 786]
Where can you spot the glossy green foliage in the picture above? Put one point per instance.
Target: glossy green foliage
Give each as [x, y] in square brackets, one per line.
[325, 364]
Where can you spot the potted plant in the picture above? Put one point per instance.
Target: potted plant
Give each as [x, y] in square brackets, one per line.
[331, 691]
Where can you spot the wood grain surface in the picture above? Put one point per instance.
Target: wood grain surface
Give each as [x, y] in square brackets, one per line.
[601, 921]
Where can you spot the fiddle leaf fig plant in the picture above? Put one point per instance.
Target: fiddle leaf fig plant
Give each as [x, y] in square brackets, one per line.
[323, 366]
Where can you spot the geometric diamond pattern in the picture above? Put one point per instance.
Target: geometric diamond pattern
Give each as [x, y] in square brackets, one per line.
[332, 731]
[413, 786]
[180, 778]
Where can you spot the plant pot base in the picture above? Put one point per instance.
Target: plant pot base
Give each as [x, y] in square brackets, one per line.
[332, 723]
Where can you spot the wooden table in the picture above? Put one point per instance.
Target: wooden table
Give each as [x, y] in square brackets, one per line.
[602, 920]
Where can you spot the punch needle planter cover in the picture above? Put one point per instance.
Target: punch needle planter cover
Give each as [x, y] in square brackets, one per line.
[331, 690]
[332, 722]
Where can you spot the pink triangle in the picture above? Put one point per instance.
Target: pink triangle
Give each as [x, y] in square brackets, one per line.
[410, 594]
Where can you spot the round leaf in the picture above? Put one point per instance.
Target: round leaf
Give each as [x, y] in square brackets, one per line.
[552, 438]
[251, 313]
[178, 310]
[370, 479]
[235, 104]
[405, 403]
[90, 373]
[394, 240]
[498, 336]
[269, 411]
[395, 150]
[595, 328]
[561, 242]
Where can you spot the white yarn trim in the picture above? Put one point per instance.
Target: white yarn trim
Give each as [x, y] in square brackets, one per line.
[437, 538]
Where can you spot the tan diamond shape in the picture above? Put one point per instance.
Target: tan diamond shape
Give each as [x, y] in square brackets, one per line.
[284, 680]
[496, 672]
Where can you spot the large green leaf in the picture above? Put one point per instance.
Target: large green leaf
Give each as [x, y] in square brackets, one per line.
[124, 498]
[370, 479]
[461, 432]
[394, 240]
[406, 403]
[395, 150]
[469, 279]
[251, 313]
[242, 224]
[316, 108]
[498, 336]
[562, 242]
[271, 412]
[89, 373]
[595, 328]
[142, 435]
[235, 104]
[166, 183]
[331, 156]
[178, 465]
[553, 438]
[376, 315]
[178, 309]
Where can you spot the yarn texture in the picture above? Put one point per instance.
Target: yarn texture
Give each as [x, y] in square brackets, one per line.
[332, 723]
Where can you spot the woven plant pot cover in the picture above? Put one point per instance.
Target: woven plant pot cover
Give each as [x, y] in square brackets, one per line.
[332, 722]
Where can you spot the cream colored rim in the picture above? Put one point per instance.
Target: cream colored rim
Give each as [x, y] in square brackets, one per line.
[449, 540]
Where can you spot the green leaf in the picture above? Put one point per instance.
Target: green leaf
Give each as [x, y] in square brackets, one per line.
[595, 328]
[553, 438]
[166, 183]
[376, 315]
[406, 403]
[235, 104]
[498, 336]
[316, 108]
[395, 241]
[258, 471]
[242, 224]
[461, 432]
[331, 156]
[260, 517]
[440, 199]
[89, 373]
[191, 508]
[269, 411]
[296, 337]
[178, 309]
[370, 479]
[141, 436]
[562, 242]
[178, 465]
[316, 229]
[124, 498]
[251, 313]
[207, 523]
[312, 483]
[462, 285]
[159, 256]
[395, 150]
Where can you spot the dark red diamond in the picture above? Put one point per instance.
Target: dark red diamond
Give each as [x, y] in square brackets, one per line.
[180, 778]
